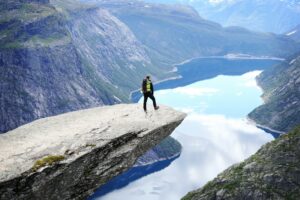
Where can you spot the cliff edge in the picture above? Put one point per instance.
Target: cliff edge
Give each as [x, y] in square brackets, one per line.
[70, 155]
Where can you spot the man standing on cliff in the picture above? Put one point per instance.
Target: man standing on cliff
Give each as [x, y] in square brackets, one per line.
[147, 89]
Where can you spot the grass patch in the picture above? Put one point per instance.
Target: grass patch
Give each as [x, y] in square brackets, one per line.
[47, 161]
[189, 196]
[90, 145]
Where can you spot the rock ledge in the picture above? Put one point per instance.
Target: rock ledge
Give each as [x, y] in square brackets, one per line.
[95, 144]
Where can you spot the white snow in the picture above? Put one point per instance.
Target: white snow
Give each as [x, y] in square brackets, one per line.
[291, 33]
[292, 62]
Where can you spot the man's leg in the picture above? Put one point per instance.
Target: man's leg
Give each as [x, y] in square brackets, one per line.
[153, 99]
[145, 101]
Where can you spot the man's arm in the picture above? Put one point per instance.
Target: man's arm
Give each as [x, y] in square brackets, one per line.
[144, 86]
[152, 89]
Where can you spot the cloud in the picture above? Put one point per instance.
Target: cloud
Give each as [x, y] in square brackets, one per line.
[239, 93]
[248, 79]
[251, 75]
[195, 91]
[211, 143]
[202, 106]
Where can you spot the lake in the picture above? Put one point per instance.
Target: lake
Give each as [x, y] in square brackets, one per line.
[215, 135]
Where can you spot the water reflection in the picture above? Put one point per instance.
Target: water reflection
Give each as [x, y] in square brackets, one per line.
[132, 175]
[214, 136]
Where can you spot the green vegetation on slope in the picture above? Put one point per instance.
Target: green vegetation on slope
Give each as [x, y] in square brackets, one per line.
[271, 173]
[31, 25]
[47, 161]
[281, 110]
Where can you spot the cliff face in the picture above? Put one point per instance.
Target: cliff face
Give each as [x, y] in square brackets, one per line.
[272, 173]
[108, 44]
[167, 149]
[68, 156]
[281, 85]
[60, 59]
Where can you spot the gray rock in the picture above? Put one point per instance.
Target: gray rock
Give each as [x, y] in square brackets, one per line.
[281, 110]
[87, 147]
[55, 60]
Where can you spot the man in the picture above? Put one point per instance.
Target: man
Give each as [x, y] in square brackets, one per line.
[147, 89]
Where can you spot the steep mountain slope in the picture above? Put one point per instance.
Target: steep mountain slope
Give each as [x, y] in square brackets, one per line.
[281, 85]
[256, 15]
[176, 33]
[272, 173]
[49, 66]
[64, 55]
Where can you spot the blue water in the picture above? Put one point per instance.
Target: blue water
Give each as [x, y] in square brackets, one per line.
[206, 68]
[215, 135]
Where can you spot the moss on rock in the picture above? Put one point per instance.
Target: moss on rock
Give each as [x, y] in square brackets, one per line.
[47, 161]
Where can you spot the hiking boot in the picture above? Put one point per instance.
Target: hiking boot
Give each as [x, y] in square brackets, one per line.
[156, 108]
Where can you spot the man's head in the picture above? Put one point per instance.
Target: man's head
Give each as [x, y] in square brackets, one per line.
[148, 77]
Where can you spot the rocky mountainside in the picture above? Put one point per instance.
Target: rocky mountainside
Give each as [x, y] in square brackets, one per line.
[272, 173]
[175, 33]
[167, 149]
[281, 85]
[257, 15]
[70, 155]
[61, 55]
[56, 58]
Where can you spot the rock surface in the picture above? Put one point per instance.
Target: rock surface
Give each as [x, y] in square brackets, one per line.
[93, 145]
[281, 108]
[272, 173]
[167, 149]
[63, 55]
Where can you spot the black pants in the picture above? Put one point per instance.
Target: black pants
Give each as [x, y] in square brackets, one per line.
[150, 95]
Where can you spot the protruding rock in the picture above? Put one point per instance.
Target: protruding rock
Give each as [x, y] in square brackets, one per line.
[70, 155]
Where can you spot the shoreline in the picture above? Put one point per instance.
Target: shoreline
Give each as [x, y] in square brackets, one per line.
[157, 82]
[275, 133]
[159, 160]
[227, 56]
[265, 128]
[232, 57]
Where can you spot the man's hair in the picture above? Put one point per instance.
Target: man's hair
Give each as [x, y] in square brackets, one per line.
[148, 76]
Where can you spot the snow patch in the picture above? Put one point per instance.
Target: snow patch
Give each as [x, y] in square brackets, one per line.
[119, 100]
[291, 33]
[292, 62]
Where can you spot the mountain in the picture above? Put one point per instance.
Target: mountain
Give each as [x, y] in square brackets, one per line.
[271, 173]
[64, 56]
[176, 33]
[61, 55]
[257, 15]
[294, 33]
[281, 85]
